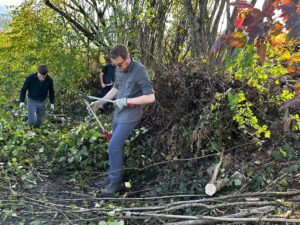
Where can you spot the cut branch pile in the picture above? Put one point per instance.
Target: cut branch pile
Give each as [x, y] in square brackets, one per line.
[181, 95]
[73, 207]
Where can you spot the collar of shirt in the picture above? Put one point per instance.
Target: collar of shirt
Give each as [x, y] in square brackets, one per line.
[130, 66]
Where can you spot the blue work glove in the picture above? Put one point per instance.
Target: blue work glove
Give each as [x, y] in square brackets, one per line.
[51, 108]
[121, 103]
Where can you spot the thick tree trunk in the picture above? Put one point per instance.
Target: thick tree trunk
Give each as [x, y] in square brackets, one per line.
[194, 27]
[152, 33]
[204, 22]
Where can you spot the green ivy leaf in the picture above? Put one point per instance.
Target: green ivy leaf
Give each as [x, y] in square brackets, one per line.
[237, 182]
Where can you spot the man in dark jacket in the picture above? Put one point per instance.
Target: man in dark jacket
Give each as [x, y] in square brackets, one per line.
[38, 85]
[107, 78]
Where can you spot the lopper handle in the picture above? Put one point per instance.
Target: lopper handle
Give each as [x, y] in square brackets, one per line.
[81, 94]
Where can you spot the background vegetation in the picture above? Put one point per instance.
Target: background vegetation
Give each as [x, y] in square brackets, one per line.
[226, 81]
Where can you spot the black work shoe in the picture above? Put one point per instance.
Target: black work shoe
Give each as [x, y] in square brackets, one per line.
[104, 181]
[110, 190]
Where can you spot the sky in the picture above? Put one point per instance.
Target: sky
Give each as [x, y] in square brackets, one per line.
[10, 2]
[258, 4]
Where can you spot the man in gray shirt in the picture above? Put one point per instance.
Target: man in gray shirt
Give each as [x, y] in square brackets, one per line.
[132, 89]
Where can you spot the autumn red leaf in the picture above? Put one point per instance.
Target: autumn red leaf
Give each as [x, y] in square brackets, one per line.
[236, 39]
[293, 21]
[287, 10]
[291, 14]
[253, 23]
[253, 17]
[293, 26]
[268, 8]
[239, 21]
[255, 31]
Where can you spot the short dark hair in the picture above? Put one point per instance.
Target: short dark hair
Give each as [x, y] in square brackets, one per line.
[43, 69]
[119, 50]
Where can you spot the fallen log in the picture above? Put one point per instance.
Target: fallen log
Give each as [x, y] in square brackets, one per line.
[215, 185]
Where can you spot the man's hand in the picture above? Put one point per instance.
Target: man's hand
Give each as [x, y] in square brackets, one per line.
[103, 85]
[22, 105]
[121, 103]
[97, 105]
[51, 108]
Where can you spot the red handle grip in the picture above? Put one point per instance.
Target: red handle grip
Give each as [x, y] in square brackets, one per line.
[130, 105]
[106, 135]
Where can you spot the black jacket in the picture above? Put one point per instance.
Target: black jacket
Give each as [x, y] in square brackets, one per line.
[37, 90]
[108, 73]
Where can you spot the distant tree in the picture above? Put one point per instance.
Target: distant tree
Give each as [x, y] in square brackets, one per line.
[154, 30]
[203, 19]
[139, 24]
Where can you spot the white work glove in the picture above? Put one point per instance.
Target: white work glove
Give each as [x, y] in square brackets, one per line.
[121, 103]
[97, 105]
[22, 105]
[52, 108]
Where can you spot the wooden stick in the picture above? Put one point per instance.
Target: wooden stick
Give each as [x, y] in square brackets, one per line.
[215, 185]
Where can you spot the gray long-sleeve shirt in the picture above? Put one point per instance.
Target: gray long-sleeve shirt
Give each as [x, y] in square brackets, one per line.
[134, 82]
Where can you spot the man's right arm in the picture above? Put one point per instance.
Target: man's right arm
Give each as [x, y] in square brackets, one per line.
[101, 80]
[111, 94]
[24, 89]
[96, 105]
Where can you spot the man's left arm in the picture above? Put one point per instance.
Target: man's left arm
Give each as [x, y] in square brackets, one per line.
[146, 86]
[51, 92]
[141, 100]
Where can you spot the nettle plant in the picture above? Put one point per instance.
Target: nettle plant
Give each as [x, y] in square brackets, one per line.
[263, 48]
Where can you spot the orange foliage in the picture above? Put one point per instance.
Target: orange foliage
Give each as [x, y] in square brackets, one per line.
[294, 64]
[261, 51]
[287, 2]
[236, 39]
[277, 38]
[277, 27]
[297, 86]
[276, 4]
